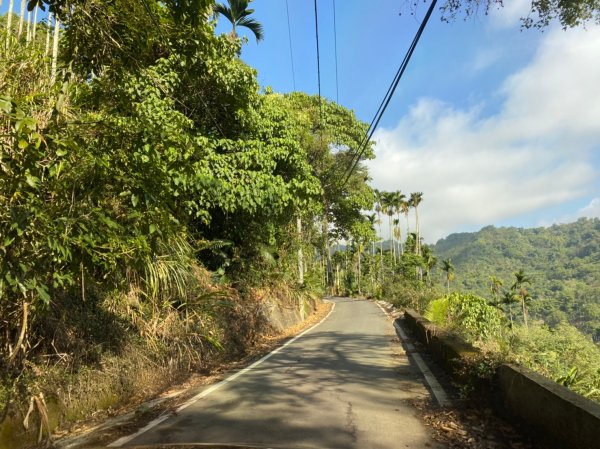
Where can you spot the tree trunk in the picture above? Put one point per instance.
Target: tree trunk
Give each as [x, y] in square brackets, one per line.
[418, 242]
[55, 49]
[21, 19]
[392, 240]
[373, 267]
[400, 239]
[28, 25]
[359, 292]
[35, 13]
[48, 28]
[9, 15]
[300, 255]
[400, 248]
[524, 312]
[381, 254]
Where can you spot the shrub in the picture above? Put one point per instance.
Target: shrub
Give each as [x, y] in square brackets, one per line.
[467, 314]
[563, 354]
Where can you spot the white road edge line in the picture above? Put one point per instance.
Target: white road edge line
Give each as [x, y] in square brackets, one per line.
[126, 439]
[438, 392]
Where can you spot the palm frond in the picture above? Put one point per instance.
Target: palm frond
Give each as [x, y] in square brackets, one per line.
[246, 13]
[253, 26]
[168, 274]
[220, 8]
[238, 7]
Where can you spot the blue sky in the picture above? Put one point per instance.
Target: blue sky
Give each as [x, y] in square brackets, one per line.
[496, 125]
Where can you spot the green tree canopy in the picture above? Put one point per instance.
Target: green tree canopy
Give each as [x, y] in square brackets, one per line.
[542, 12]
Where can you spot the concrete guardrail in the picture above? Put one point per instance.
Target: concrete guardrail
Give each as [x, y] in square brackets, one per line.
[551, 410]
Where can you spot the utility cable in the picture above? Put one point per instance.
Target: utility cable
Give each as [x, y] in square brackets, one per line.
[390, 93]
[287, 8]
[337, 92]
[318, 64]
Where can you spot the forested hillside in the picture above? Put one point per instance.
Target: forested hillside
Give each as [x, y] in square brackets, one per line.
[562, 261]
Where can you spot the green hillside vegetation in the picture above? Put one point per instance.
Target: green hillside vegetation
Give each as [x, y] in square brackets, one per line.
[562, 262]
[562, 353]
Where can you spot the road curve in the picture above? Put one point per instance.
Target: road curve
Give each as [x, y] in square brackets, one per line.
[344, 384]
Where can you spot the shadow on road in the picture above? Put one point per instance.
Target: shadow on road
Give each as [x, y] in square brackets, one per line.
[331, 388]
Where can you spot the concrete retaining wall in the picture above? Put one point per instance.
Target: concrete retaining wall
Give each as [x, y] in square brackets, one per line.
[449, 350]
[280, 315]
[555, 412]
[549, 407]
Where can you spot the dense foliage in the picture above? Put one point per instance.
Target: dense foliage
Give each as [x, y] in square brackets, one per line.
[142, 156]
[401, 270]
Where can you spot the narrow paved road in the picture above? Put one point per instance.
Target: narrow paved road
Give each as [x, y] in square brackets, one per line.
[344, 384]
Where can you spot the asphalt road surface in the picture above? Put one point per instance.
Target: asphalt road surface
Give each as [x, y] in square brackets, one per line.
[344, 384]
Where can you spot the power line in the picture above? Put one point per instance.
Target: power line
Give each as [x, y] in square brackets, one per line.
[337, 92]
[287, 8]
[318, 64]
[389, 94]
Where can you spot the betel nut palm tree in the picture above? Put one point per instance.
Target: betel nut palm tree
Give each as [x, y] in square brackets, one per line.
[521, 292]
[238, 14]
[449, 269]
[372, 220]
[399, 200]
[405, 209]
[415, 200]
[388, 208]
[378, 209]
[495, 286]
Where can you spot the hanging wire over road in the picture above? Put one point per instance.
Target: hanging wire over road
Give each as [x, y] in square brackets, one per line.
[388, 96]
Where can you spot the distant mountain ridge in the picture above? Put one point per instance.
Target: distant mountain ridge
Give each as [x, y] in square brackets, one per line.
[562, 260]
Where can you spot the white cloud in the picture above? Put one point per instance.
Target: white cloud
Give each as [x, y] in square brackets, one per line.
[510, 14]
[592, 210]
[534, 153]
[485, 58]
